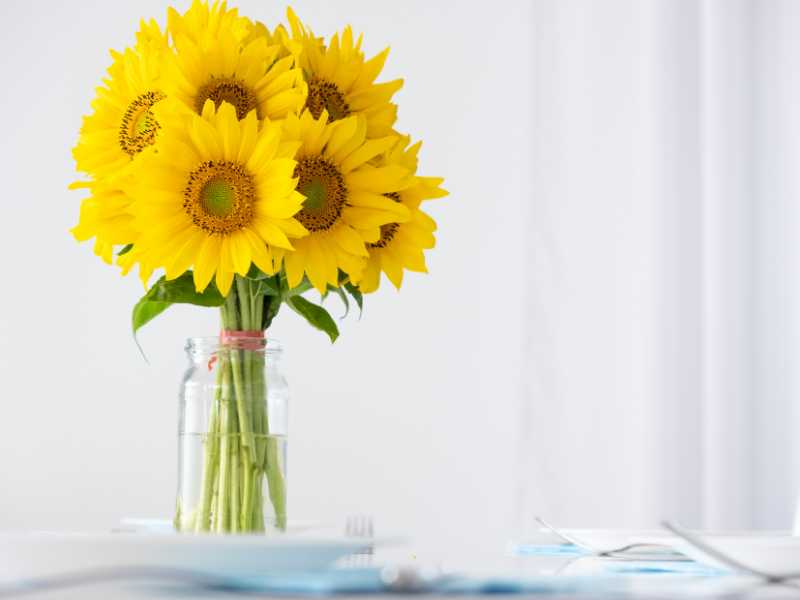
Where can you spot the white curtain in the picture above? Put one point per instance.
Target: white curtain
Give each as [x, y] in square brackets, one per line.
[663, 286]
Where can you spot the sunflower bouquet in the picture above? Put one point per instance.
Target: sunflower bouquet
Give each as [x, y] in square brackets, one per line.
[246, 166]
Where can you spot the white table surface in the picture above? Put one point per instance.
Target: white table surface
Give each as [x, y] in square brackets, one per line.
[491, 562]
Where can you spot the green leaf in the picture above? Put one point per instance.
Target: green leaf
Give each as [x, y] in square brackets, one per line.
[301, 288]
[255, 273]
[357, 296]
[269, 284]
[125, 249]
[272, 305]
[345, 300]
[147, 310]
[164, 294]
[316, 316]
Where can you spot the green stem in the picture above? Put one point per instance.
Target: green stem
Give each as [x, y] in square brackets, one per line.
[247, 495]
[243, 291]
[250, 295]
[277, 486]
[222, 523]
[239, 455]
[258, 502]
[215, 501]
[243, 410]
[235, 483]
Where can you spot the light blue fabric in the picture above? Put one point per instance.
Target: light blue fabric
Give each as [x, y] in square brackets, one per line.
[332, 581]
[541, 586]
[664, 567]
[643, 567]
[548, 550]
[368, 580]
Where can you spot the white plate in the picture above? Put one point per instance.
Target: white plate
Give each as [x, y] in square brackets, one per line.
[150, 525]
[38, 554]
[772, 553]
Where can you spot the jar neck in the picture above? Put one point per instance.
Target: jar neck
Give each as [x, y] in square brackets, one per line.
[203, 349]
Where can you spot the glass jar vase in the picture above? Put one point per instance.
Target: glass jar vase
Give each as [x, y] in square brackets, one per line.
[232, 434]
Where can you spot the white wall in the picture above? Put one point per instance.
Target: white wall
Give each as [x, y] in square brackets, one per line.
[776, 223]
[410, 417]
[591, 287]
[664, 326]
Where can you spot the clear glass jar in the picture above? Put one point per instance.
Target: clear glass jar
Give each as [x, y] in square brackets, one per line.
[232, 434]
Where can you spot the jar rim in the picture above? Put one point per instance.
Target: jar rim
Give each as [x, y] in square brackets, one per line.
[210, 344]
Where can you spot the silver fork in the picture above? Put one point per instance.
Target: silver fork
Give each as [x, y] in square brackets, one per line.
[360, 527]
[719, 556]
[624, 552]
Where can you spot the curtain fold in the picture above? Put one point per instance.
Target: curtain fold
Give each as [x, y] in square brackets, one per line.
[662, 325]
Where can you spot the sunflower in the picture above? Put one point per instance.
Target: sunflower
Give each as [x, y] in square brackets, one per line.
[122, 124]
[342, 82]
[129, 260]
[105, 216]
[204, 22]
[224, 67]
[401, 245]
[344, 207]
[218, 197]
[277, 37]
[150, 35]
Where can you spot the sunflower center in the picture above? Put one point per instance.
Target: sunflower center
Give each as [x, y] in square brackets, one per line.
[324, 95]
[220, 197]
[326, 194]
[139, 127]
[389, 230]
[227, 89]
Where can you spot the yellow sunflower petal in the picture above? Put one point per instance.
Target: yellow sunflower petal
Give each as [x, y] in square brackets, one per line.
[259, 252]
[367, 152]
[294, 263]
[240, 252]
[380, 180]
[184, 257]
[344, 138]
[392, 269]
[228, 127]
[206, 262]
[224, 280]
[371, 275]
[205, 139]
[350, 240]
[272, 234]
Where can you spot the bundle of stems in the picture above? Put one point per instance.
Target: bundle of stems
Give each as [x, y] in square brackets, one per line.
[239, 454]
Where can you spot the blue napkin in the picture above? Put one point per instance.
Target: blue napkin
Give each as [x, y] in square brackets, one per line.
[642, 567]
[368, 581]
[548, 550]
[663, 567]
[330, 581]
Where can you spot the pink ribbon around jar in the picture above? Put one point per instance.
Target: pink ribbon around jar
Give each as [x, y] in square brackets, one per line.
[245, 340]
